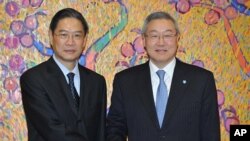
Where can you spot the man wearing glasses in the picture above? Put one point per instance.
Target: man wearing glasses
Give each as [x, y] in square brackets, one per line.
[163, 99]
[64, 101]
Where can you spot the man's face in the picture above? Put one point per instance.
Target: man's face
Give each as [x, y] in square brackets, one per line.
[68, 40]
[161, 41]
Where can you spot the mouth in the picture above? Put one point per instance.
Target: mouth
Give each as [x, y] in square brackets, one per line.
[70, 51]
[161, 50]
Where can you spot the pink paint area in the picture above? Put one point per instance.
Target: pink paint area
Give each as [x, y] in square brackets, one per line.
[12, 8]
[17, 27]
[11, 42]
[15, 97]
[25, 3]
[231, 13]
[221, 3]
[36, 3]
[16, 63]
[183, 6]
[90, 58]
[31, 22]
[198, 63]
[127, 50]
[138, 45]
[122, 64]
[231, 121]
[33, 3]
[10, 84]
[26, 40]
[221, 98]
[212, 17]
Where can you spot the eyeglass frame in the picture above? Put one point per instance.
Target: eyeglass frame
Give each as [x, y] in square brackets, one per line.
[65, 35]
[156, 37]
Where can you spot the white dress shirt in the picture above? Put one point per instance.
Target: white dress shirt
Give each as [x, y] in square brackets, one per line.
[66, 71]
[169, 69]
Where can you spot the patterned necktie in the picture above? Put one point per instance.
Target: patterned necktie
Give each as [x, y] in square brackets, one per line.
[73, 91]
[161, 97]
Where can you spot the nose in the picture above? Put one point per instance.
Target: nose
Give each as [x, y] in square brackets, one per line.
[70, 40]
[160, 40]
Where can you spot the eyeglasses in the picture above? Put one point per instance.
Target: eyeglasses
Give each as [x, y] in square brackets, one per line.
[66, 35]
[156, 37]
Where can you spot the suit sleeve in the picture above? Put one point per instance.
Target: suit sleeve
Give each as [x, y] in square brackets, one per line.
[116, 120]
[40, 113]
[210, 122]
[102, 125]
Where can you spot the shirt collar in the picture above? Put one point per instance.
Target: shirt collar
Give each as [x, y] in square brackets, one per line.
[169, 68]
[64, 69]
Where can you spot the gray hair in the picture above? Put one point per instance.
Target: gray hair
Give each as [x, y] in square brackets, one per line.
[156, 16]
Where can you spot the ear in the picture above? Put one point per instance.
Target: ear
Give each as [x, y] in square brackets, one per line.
[50, 38]
[85, 41]
[178, 37]
[143, 41]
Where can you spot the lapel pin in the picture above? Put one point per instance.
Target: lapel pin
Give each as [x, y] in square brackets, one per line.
[184, 81]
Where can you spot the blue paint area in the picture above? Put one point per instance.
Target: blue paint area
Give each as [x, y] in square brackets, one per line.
[240, 7]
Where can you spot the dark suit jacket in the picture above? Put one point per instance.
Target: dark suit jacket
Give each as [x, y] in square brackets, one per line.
[191, 114]
[49, 108]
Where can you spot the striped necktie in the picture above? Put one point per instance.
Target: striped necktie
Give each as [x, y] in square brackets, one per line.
[73, 91]
[161, 97]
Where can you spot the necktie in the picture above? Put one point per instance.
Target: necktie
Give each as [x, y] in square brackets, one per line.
[161, 97]
[73, 91]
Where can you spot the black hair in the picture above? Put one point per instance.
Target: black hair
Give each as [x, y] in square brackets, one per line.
[68, 13]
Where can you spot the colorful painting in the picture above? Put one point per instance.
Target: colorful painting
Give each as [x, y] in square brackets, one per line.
[215, 34]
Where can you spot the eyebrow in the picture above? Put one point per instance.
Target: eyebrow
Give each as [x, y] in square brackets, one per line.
[155, 31]
[62, 30]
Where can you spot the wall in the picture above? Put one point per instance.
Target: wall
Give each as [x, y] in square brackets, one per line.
[215, 35]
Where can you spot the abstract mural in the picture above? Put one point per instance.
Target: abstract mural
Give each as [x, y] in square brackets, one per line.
[215, 35]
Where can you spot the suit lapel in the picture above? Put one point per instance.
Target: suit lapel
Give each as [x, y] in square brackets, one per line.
[146, 94]
[57, 85]
[177, 90]
[84, 91]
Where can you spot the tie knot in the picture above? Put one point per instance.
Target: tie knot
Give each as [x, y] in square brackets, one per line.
[71, 76]
[161, 74]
